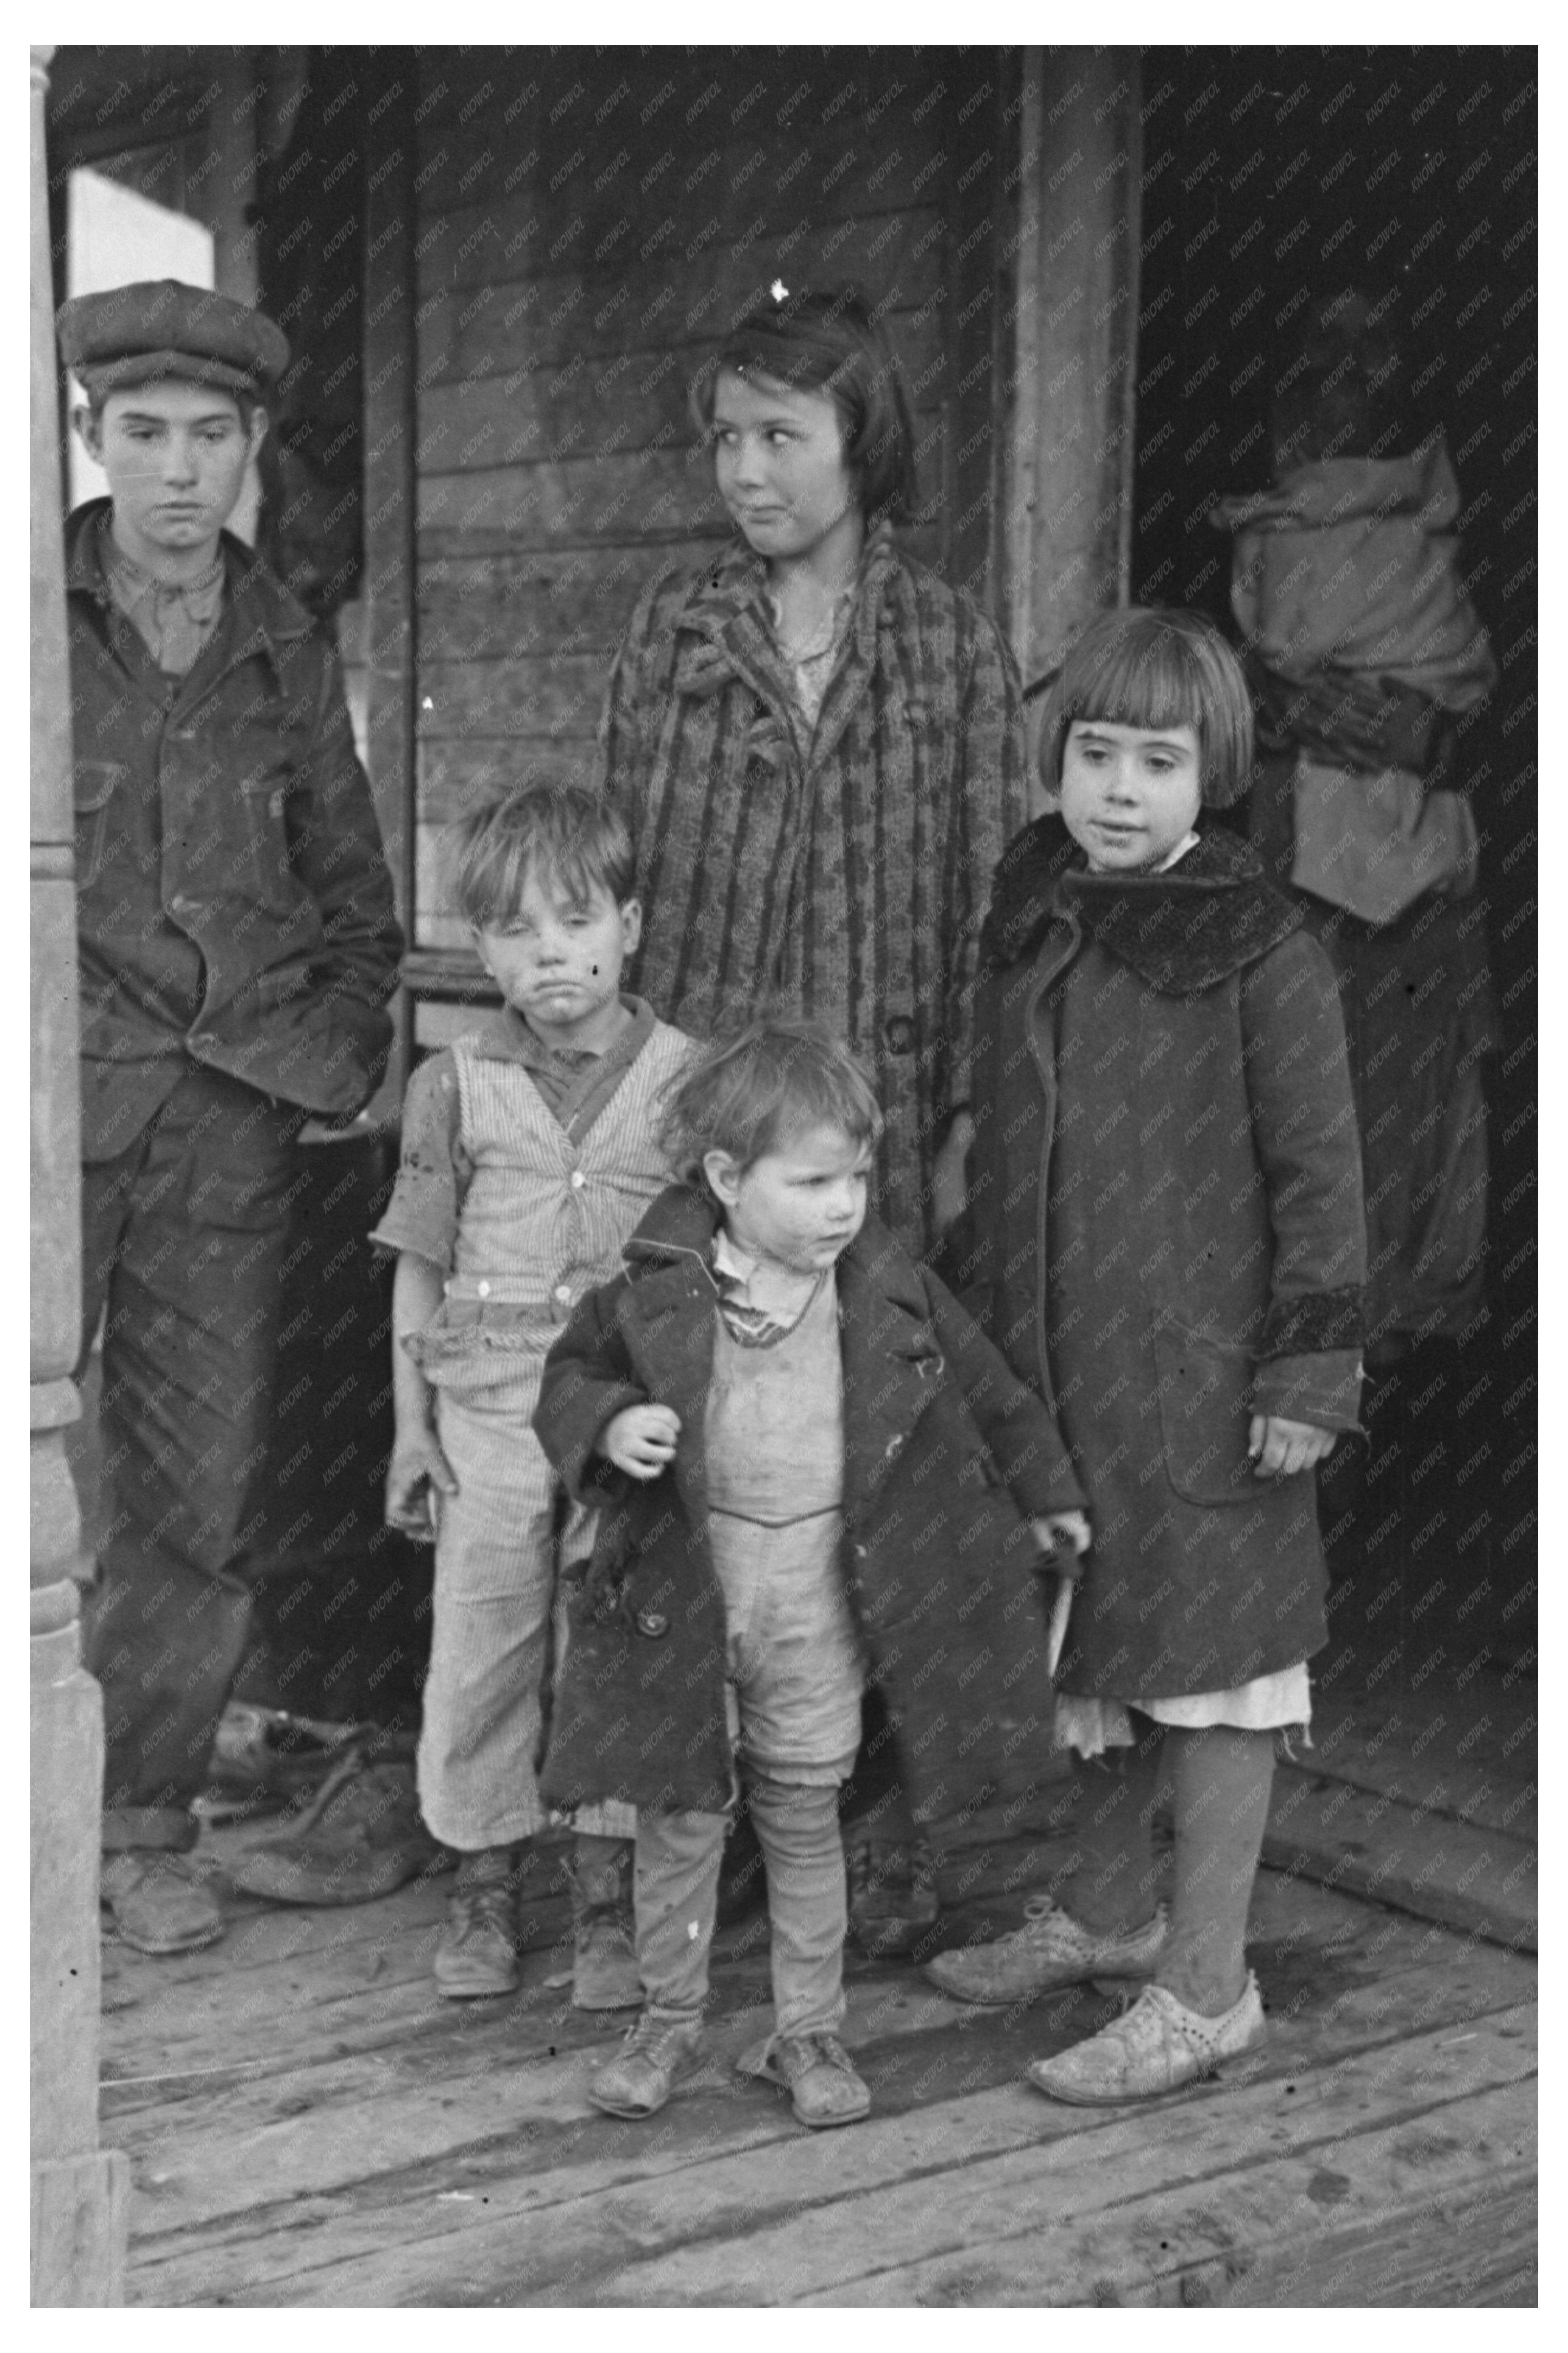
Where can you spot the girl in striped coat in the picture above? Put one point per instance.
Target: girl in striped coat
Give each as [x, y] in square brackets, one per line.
[529, 1156]
[818, 746]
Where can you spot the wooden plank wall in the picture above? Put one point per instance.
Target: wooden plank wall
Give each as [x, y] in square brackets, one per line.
[587, 224]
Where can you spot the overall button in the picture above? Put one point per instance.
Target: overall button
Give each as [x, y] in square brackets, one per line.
[564, 1293]
[578, 1179]
[484, 1290]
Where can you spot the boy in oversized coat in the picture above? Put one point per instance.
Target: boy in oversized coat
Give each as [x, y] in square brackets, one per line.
[817, 1469]
[1167, 1241]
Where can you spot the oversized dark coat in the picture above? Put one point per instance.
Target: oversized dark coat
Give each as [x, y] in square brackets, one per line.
[946, 1457]
[840, 871]
[1166, 1237]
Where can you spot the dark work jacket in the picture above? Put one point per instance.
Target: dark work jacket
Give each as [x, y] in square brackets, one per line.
[1166, 1237]
[233, 904]
[946, 1457]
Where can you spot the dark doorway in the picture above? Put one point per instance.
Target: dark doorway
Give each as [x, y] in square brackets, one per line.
[1272, 178]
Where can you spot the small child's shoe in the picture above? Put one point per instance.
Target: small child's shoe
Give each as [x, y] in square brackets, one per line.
[1160, 2046]
[478, 1951]
[817, 2071]
[655, 2055]
[605, 1962]
[1051, 1950]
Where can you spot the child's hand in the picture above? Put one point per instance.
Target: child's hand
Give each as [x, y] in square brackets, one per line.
[1281, 1448]
[641, 1440]
[417, 1476]
[1057, 1533]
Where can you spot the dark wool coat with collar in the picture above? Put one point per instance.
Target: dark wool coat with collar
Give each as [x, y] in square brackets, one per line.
[946, 1457]
[842, 873]
[1166, 1237]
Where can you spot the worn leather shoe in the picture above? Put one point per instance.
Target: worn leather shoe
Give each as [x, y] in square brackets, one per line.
[892, 1896]
[478, 1952]
[155, 1902]
[605, 1962]
[656, 2055]
[817, 2071]
[1051, 1950]
[1160, 2046]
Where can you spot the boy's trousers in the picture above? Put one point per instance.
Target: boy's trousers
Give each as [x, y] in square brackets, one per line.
[796, 1677]
[184, 1235]
[498, 1609]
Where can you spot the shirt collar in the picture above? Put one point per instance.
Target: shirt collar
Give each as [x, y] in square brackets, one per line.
[735, 1264]
[505, 1036]
[264, 608]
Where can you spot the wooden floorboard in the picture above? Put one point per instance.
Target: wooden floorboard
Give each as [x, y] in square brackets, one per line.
[308, 2124]
[445, 2153]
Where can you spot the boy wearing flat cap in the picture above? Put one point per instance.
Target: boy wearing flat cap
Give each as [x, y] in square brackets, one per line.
[237, 945]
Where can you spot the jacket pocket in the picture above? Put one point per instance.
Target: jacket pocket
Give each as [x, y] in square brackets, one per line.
[95, 783]
[1206, 1408]
[267, 870]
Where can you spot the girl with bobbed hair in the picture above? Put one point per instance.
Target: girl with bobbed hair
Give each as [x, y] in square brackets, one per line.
[818, 746]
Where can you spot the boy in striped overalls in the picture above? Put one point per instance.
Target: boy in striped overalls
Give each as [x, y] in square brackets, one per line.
[528, 1158]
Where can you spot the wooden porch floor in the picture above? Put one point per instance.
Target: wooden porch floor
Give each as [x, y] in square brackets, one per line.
[308, 2125]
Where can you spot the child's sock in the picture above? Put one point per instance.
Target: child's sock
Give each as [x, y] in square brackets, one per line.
[1112, 1891]
[1223, 1781]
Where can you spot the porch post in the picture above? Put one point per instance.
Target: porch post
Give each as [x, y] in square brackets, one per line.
[79, 2191]
[1068, 511]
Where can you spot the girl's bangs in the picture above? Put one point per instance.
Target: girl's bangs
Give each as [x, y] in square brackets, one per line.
[1148, 679]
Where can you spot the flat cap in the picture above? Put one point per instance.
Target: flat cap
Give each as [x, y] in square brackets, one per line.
[161, 328]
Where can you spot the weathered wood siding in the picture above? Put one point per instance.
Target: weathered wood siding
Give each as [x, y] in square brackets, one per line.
[587, 225]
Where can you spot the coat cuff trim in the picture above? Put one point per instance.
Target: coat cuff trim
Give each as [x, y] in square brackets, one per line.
[1323, 1323]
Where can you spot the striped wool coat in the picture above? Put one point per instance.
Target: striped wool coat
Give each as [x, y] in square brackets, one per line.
[843, 871]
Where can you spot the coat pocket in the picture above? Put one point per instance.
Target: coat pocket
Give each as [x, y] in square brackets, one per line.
[1206, 1408]
[95, 784]
[266, 870]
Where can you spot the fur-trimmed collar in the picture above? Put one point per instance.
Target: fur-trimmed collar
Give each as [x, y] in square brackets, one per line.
[1210, 915]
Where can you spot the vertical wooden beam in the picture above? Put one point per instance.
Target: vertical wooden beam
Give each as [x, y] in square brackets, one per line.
[1069, 490]
[1020, 496]
[976, 355]
[390, 553]
[78, 2191]
[231, 128]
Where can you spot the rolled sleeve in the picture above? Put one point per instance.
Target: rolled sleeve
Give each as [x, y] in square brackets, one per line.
[434, 1171]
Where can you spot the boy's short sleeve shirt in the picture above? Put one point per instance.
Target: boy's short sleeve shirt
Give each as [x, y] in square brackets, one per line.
[435, 1170]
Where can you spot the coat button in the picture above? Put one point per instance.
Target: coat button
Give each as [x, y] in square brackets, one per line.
[898, 1031]
[652, 1623]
